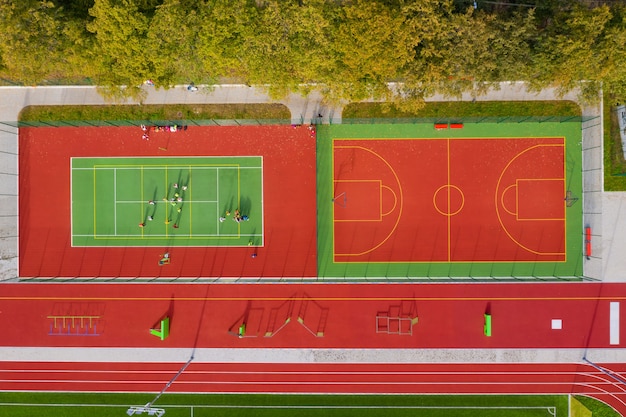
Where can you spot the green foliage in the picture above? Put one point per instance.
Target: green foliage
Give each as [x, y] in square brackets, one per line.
[460, 109]
[349, 50]
[119, 52]
[32, 41]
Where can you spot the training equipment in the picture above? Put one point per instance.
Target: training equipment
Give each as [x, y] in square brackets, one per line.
[487, 327]
[145, 409]
[163, 331]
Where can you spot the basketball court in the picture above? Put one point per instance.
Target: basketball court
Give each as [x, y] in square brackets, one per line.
[411, 200]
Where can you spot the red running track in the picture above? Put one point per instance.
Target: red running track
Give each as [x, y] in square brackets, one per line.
[320, 378]
[311, 316]
[204, 315]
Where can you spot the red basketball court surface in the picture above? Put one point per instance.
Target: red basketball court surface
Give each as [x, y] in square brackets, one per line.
[386, 190]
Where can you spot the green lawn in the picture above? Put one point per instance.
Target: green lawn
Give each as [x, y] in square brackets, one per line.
[465, 109]
[167, 201]
[154, 112]
[232, 405]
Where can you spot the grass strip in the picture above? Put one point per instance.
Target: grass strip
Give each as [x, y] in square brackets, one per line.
[465, 109]
[155, 112]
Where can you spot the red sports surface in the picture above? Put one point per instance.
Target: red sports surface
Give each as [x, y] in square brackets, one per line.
[320, 316]
[449, 200]
[289, 199]
[311, 316]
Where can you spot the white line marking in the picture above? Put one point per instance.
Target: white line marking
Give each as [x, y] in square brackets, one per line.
[115, 201]
[614, 323]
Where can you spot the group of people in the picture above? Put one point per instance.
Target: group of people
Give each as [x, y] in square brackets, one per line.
[166, 128]
[237, 216]
[177, 204]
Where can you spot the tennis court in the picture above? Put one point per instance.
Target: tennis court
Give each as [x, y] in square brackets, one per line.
[197, 201]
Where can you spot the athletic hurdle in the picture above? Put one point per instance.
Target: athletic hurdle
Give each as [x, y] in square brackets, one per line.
[588, 242]
[71, 325]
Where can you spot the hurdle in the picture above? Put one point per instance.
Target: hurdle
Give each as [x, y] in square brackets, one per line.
[163, 331]
[441, 126]
[456, 125]
[74, 325]
[487, 326]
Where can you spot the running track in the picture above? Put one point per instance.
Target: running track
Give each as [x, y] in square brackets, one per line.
[450, 316]
[319, 378]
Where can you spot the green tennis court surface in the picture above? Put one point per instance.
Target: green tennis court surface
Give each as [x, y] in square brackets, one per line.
[182, 201]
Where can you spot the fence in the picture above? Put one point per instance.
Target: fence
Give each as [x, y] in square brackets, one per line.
[118, 123]
[469, 119]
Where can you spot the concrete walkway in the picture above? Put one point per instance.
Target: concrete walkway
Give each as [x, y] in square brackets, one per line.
[312, 356]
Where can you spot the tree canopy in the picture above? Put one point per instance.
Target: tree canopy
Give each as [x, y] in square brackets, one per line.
[348, 49]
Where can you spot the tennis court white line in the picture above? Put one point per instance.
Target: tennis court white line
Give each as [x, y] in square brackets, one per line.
[160, 168]
[163, 202]
[172, 236]
[115, 200]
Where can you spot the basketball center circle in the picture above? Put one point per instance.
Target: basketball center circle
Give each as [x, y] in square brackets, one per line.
[448, 200]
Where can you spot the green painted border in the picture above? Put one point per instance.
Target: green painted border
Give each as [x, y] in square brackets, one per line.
[572, 268]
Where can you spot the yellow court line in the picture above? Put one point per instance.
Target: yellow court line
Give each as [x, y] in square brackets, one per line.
[94, 203]
[401, 200]
[448, 190]
[141, 205]
[167, 190]
[168, 165]
[498, 137]
[496, 198]
[395, 199]
[190, 205]
[169, 298]
[516, 200]
[157, 237]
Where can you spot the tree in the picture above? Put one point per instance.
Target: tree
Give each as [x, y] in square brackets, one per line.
[121, 61]
[221, 33]
[583, 48]
[33, 45]
[171, 40]
[370, 48]
[287, 45]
